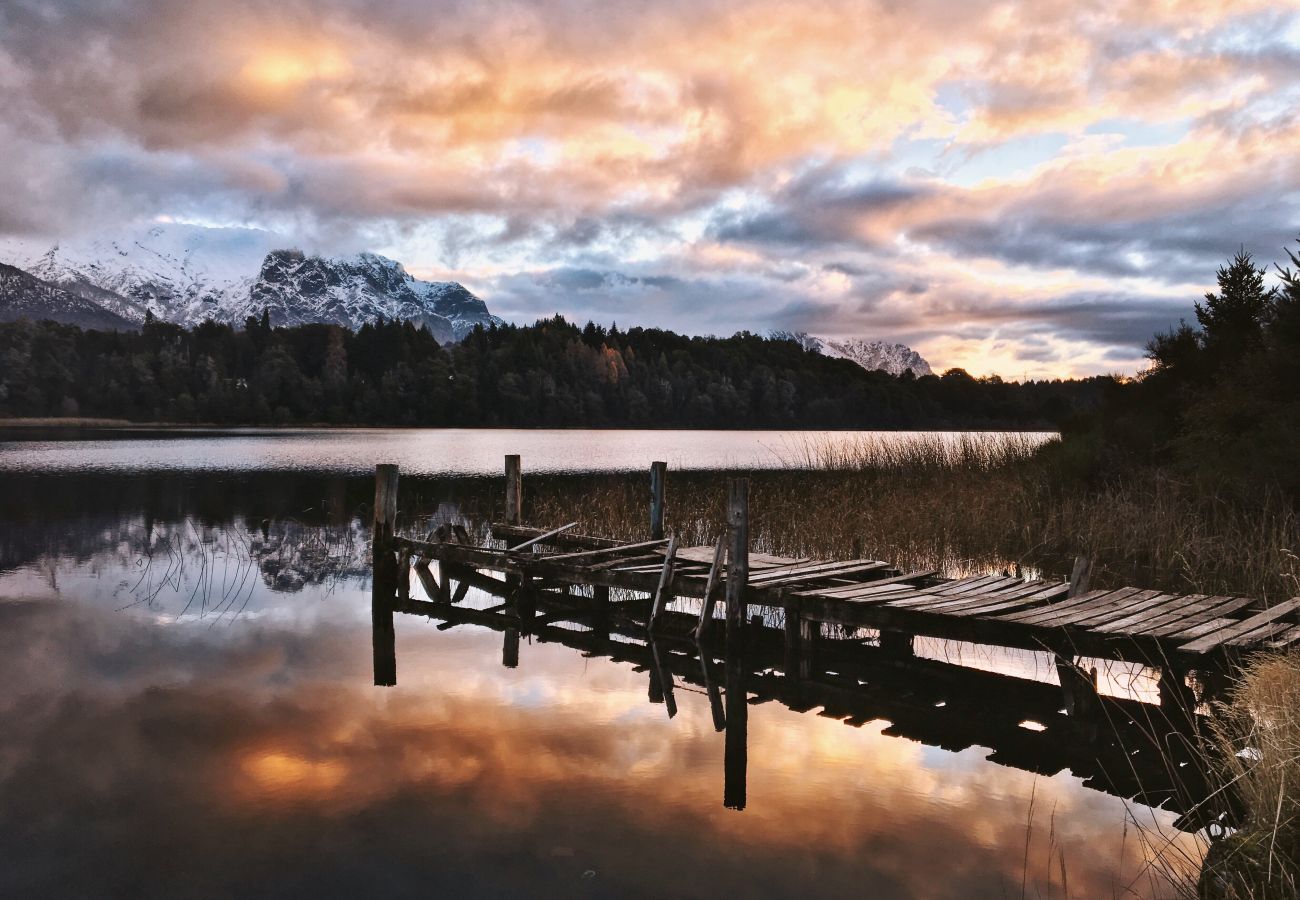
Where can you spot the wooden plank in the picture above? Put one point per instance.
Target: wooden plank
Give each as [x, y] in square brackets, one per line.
[1260, 634]
[586, 556]
[877, 583]
[648, 562]
[764, 561]
[1285, 640]
[1057, 610]
[699, 554]
[1037, 600]
[1103, 608]
[806, 577]
[1020, 588]
[542, 537]
[1035, 594]
[1144, 619]
[502, 531]
[826, 569]
[929, 595]
[1204, 628]
[1142, 601]
[1244, 627]
[1218, 607]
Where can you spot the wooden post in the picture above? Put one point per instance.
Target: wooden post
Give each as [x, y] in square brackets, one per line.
[711, 588]
[736, 740]
[664, 590]
[711, 688]
[793, 640]
[1079, 577]
[510, 649]
[514, 490]
[664, 675]
[809, 632]
[444, 582]
[383, 583]
[658, 474]
[738, 560]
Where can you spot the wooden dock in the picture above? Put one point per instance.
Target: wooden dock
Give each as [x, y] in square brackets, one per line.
[1064, 617]
[776, 637]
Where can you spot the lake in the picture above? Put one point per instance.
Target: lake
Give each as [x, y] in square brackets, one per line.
[189, 708]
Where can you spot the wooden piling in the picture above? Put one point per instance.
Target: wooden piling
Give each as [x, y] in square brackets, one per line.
[809, 632]
[510, 649]
[514, 490]
[658, 475]
[1080, 575]
[736, 740]
[738, 559]
[711, 588]
[664, 591]
[383, 585]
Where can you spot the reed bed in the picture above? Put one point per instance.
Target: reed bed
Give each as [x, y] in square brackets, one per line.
[1255, 748]
[962, 505]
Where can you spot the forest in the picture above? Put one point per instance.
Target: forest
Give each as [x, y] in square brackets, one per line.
[549, 374]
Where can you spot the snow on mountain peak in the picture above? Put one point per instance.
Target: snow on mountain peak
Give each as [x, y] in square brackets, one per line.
[872, 355]
[188, 274]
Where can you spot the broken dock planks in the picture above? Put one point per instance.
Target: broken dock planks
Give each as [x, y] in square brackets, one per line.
[996, 608]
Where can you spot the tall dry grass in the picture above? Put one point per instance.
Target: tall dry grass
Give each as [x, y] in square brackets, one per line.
[1255, 745]
[960, 505]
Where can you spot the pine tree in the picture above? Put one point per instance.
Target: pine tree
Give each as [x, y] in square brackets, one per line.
[1233, 320]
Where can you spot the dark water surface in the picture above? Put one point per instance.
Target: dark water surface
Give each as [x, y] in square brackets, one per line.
[188, 710]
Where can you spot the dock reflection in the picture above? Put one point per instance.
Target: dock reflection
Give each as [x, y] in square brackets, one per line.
[1127, 748]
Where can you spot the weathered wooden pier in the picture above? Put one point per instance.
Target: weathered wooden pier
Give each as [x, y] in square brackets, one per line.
[778, 640]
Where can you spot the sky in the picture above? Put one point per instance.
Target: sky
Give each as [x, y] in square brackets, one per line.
[1029, 190]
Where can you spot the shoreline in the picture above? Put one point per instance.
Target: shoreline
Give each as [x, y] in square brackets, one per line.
[95, 424]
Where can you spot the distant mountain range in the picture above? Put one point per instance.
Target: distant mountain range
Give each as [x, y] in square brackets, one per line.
[188, 274]
[875, 355]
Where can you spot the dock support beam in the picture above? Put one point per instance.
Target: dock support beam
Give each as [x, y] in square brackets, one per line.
[738, 560]
[658, 475]
[384, 573]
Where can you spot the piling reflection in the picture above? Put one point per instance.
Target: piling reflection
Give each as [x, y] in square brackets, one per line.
[133, 729]
[1127, 748]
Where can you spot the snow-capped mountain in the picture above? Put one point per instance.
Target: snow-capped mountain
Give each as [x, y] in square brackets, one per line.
[24, 296]
[873, 355]
[187, 274]
[353, 290]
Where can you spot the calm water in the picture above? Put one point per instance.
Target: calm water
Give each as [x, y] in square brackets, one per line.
[451, 451]
[188, 710]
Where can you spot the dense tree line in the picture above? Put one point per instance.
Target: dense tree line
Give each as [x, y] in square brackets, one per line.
[552, 373]
[1221, 401]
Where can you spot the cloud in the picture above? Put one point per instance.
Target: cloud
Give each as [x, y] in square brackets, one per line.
[723, 157]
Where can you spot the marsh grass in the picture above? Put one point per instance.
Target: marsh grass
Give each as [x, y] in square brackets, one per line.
[961, 505]
[1255, 741]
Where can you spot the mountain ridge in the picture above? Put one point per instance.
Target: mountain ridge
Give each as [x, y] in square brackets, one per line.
[187, 274]
[872, 355]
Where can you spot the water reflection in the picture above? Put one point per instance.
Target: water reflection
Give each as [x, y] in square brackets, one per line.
[146, 752]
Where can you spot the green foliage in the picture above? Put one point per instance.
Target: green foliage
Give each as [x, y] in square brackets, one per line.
[550, 374]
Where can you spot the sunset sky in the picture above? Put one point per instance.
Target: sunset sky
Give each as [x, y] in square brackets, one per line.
[1028, 189]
